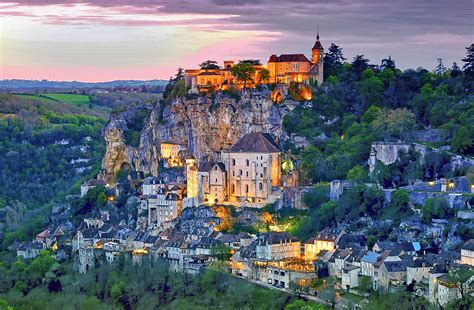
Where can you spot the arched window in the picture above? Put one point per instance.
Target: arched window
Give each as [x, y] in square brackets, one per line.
[240, 172]
[233, 162]
[247, 173]
[260, 186]
[246, 188]
[247, 162]
[233, 188]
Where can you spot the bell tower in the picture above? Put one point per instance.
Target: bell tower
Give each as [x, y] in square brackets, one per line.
[317, 51]
[317, 58]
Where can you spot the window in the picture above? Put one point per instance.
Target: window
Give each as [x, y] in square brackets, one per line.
[260, 186]
[246, 188]
[233, 162]
[233, 188]
[233, 173]
[240, 172]
[247, 162]
[247, 173]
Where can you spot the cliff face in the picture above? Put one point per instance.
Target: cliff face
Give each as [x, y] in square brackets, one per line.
[205, 126]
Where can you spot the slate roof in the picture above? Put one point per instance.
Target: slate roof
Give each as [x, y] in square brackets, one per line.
[205, 166]
[351, 240]
[328, 234]
[255, 143]
[274, 237]
[397, 266]
[317, 44]
[469, 245]
[396, 246]
[289, 58]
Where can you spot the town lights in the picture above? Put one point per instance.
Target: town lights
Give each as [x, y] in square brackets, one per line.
[431, 183]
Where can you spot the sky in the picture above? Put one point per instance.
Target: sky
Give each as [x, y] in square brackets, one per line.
[102, 40]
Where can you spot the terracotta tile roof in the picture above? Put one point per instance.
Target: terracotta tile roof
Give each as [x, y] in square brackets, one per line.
[255, 143]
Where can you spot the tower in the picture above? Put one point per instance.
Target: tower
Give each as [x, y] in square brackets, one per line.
[317, 58]
[191, 177]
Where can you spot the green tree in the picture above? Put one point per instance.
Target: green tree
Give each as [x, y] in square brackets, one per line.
[264, 75]
[469, 62]
[209, 65]
[243, 72]
[394, 123]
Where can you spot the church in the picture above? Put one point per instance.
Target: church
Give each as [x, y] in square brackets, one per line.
[249, 174]
[283, 69]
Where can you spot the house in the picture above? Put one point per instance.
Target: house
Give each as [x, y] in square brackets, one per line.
[419, 271]
[277, 246]
[112, 251]
[90, 184]
[288, 68]
[151, 186]
[437, 271]
[367, 263]
[350, 277]
[467, 253]
[338, 262]
[163, 206]
[325, 240]
[29, 250]
[392, 273]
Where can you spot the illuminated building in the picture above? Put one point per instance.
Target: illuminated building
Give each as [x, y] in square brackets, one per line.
[283, 69]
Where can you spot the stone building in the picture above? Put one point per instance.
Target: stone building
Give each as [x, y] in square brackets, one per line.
[277, 246]
[164, 205]
[171, 153]
[248, 175]
[283, 69]
[325, 240]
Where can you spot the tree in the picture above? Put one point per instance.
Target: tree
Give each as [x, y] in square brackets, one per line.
[359, 64]
[469, 62]
[209, 65]
[455, 70]
[333, 60]
[264, 75]
[243, 72]
[440, 68]
[254, 62]
[393, 123]
[357, 174]
[462, 141]
[388, 63]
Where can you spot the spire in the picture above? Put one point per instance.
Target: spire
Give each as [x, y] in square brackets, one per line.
[317, 44]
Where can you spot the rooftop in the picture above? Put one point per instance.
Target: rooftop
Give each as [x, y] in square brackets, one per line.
[255, 143]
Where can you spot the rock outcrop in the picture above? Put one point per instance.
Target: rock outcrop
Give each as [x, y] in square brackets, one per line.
[206, 126]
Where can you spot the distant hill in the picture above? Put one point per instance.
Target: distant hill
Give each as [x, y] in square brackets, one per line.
[22, 84]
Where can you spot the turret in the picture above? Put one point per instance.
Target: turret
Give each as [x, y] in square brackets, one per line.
[317, 51]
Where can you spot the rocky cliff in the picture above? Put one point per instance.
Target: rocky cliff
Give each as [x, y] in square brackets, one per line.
[205, 125]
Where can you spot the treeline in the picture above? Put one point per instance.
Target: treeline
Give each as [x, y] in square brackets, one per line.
[45, 284]
[40, 144]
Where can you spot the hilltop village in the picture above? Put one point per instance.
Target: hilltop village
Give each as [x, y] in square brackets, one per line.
[213, 182]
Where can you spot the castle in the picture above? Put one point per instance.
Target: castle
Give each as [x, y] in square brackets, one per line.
[249, 174]
[283, 69]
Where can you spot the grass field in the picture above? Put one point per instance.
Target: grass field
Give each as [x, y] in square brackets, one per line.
[80, 102]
